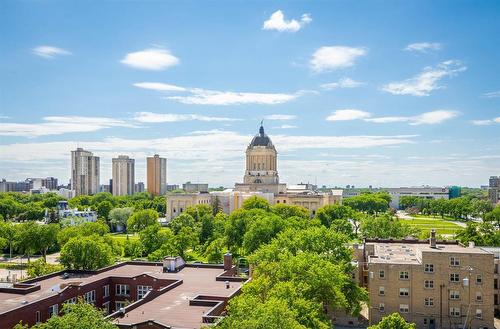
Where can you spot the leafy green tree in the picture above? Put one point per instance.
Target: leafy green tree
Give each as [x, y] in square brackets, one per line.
[25, 238]
[493, 217]
[482, 234]
[287, 211]
[215, 251]
[386, 226]
[198, 212]
[86, 253]
[256, 202]
[119, 217]
[185, 239]
[46, 238]
[153, 237]
[261, 230]
[183, 220]
[393, 321]
[85, 229]
[141, 219]
[206, 228]
[103, 209]
[8, 234]
[133, 248]
[338, 217]
[40, 267]
[371, 203]
[9, 208]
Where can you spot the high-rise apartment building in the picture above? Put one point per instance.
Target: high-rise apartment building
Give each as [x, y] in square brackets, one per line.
[123, 175]
[157, 175]
[85, 171]
[494, 189]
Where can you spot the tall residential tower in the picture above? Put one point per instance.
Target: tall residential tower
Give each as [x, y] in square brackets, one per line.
[123, 175]
[157, 175]
[85, 172]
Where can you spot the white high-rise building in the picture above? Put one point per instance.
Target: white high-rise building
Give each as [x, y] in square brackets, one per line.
[85, 172]
[123, 175]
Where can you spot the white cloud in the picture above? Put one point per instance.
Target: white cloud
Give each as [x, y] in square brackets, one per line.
[342, 83]
[50, 51]
[492, 94]
[277, 22]
[280, 117]
[427, 118]
[151, 117]
[155, 59]
[201, 96]
[158, 86]
[335, 57]
[57, 125]
[486, 122]
[348, 114]
[427, 81]
[423, 47]
[287, 127]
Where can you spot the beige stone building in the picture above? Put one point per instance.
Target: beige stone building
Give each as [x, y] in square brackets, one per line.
[435, 284]
[260, 179]
[496, 278]
[123, 171]
[85, 172]
[156, 168]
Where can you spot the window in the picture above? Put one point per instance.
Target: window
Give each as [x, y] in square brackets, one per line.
[89, 297]
[105, 307]
[454, 295]
[381, 307]
[479, 297]
[404, 292]
[70, 301]
[142, 290]
[404, 308]
[119, 305]
[429, 284]
[54, 309]
[429, 268]
[454, 311]
[381, 291]
[106, 291]
[479, 279]
[455, 277]
[381, 274]
[404, 275]
[38, 317]
[429, 301]
[454, 261]
[122, 290]
[479, 314]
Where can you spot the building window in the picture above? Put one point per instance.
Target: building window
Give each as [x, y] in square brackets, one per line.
[38, 317]
[429, 268]
[105, 307]
[454, 295]
[119, 305]
[454, 261]
[70, 301]
[122, 290]
[455, 311]
[429, 301]
[479, 297]
[381, 291]
[381, 274]
[143, 290]
[496, 300]
[479, 279]
[404, 292]
[106, 291]
[479, 314]
[53, 310]
[404, 275]
[381, 307]
[455, 277]
[429, 284]
[89, 297]
[404, 308]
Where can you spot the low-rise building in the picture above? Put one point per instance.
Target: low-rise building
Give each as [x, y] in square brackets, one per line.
[496, 278]
[195, 187]
[435, 284]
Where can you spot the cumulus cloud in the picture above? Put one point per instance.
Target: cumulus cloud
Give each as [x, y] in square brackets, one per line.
[280, 117]
[57, 125]
[341, 83]
[427, 81]
[429, 118]
[150, 117]
[347, 115]
[201, 96]
[335, 57]
[486, 122]
[278, 22]
[50, 51]
[423, 47]
[155, 59]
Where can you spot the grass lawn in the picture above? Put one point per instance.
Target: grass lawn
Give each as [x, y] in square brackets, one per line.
[123, 236]
[420, 216]
[441, 226]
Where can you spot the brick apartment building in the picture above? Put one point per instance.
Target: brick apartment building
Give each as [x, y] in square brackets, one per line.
[435, 284]
[136, 295]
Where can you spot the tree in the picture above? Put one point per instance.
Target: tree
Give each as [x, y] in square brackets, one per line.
[118, 217]
[393, 321]
[40, 267]
[183, 220]
[261, 230]
[215, 251]
[256, 202]
[103, 209]
[286, 211]
[338, 217]
[386, 226]
[493, 217]
[26, 238]
[153, 237]
[46, 238]
[371, 203]
[185, 239]
[8, 234]
[76, 316]
[141, 219]
[86, 253]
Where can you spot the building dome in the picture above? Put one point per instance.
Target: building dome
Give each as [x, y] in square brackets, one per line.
[261, 139]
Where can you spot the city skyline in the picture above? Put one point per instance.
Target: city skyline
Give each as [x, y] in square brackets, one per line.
[330, 99]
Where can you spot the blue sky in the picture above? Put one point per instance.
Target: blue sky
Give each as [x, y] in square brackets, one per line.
[366, 93]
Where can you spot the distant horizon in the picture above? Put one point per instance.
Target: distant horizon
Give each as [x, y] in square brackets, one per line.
[347, 98]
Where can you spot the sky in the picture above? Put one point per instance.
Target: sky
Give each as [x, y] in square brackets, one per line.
[382, 93]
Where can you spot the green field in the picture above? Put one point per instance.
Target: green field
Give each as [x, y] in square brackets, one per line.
[441, 226]
[123, 236]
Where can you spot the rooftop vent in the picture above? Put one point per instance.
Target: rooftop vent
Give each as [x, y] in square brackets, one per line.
[432, 240]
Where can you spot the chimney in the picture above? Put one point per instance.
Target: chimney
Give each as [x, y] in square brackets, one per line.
[432, 240]
[228, 261]
[471, 244]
